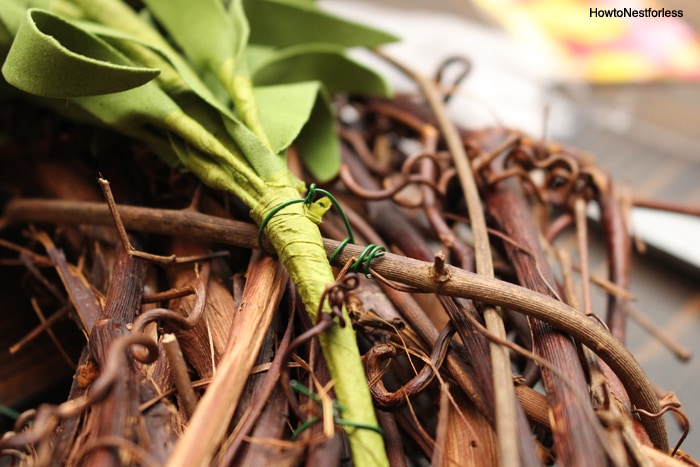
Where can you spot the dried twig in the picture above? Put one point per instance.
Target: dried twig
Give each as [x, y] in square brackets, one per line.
[178, 369]
[207, 428]
[506, 424]
[404, 270]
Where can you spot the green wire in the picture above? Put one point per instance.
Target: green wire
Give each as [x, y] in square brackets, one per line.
[298, 387]
[363, 426]
[339, 249]
[370, 252]
[308, 199]
[274, 211]
[9, 412]
[337, 419]
[304, 426]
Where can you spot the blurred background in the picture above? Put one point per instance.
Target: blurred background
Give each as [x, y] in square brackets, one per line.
[625, 90]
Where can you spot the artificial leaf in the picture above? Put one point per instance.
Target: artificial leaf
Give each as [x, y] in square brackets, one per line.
[322, 62]
[134, 35]
[196, 99]
[188, 79]
[285, 109]
[318, 144]
[264, 161]
[145, 111]
[52, 58]
[12, 12]
[239, 21]
[282, 23]
[213, 43]
[257, 55]
[301, 113]
[207, 169]
[11, 15]
[211, 39]
[99, 81]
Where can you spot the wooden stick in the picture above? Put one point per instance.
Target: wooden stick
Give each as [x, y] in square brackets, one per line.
[397, 268]
[207, 428]
[178, 371]
[504, 393]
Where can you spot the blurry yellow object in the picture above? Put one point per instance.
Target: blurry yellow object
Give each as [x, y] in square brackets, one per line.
[606, 41]
[609, 66]
[686, 57]
[569, 20]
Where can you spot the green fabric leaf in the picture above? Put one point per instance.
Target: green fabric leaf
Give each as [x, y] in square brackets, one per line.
[11, 16]
[52, 58]
[241, 27]
[77, 87]
[12, 12]
[215, 41]
[211, 171]
[139, 40]
[318, 143]
[266, 163]
[257, 55]
[319, 62]
[145, 112]
[285, 109]
[197, 100]
[282, 23]
[301, 113]
[203, 29]
[134, 47]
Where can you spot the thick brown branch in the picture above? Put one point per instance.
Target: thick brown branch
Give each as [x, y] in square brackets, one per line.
[397, 268]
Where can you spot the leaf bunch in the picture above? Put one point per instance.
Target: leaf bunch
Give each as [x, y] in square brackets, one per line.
[224, 89]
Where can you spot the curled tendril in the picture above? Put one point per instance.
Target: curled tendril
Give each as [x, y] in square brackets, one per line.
[555, 174]
[171, 317]
[375, 195]
[357, 142]
[375, 368]
[405, 178]
[142, 348]
[564, 174]
[24, 419]
[670, 403]
[451, 88]
[334, 294]
[47, 416]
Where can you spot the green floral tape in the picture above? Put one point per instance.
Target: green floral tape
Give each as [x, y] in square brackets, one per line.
[299, 245]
